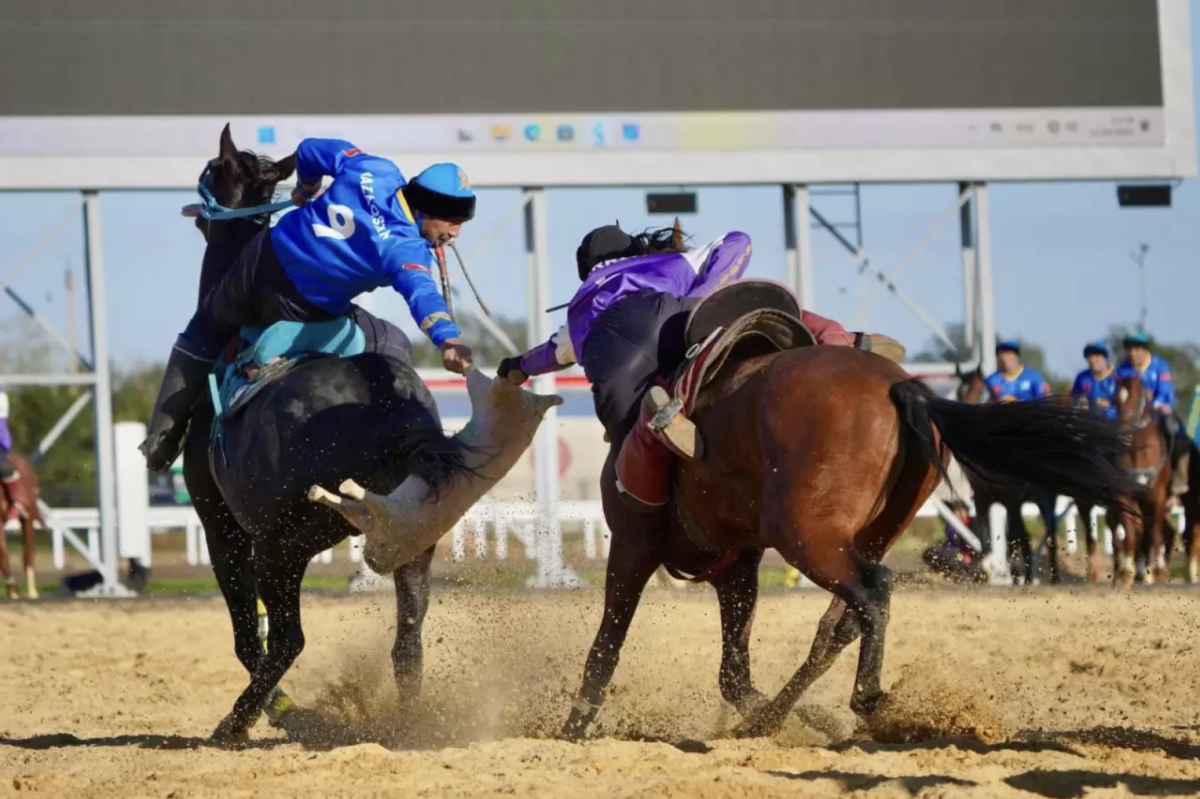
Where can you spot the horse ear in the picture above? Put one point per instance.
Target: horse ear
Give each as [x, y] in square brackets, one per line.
[958, 370]
[229, 152]
[282, 169]
[677, 235]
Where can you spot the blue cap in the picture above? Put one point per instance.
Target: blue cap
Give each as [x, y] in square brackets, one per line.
[1097, 347]
[442, 191]
[1008, 345]
[1137, 338]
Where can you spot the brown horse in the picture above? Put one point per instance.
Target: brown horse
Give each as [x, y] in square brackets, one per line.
[1149, 463]
[972, 389]
[31, 516]
[826, 454]
[1191, 512]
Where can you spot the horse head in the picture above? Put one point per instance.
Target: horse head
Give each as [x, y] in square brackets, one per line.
[1133, 400]
[239, 179]
[970, 385]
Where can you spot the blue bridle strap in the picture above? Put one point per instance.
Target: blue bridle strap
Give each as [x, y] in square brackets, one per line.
[212, 210]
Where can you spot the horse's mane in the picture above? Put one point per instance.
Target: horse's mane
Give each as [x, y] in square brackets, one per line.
[255, 162]
[653, 241]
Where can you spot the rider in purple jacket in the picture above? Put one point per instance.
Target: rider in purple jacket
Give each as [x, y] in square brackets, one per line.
[625, 326]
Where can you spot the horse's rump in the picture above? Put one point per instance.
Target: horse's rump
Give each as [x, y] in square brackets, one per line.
[366, 417]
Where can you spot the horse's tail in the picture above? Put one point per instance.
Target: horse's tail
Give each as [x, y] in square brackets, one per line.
[1060, 447]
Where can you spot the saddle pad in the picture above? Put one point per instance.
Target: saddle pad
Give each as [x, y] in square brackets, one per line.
[340, 337]
[777, 331]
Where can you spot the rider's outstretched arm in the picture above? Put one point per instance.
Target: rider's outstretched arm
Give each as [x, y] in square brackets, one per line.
[411, 277]
[556, 354]
[317, 158]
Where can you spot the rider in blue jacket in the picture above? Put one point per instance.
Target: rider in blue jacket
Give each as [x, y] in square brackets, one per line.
[1014, 381]
[1097, 385]
[370, 228]
[1160, 383]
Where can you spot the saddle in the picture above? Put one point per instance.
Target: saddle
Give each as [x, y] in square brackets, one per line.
[261, 355]
[740, 321]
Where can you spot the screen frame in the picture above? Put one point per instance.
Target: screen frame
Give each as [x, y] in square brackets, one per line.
[1175, 158]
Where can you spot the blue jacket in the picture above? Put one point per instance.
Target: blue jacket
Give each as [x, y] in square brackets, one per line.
[1100, 392]
[1156, 378]
[1026, 384]
[358, 236]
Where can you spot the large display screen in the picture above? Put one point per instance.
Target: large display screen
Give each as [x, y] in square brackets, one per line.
[554, 92]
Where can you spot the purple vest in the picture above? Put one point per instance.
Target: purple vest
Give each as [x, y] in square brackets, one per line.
[692, 274]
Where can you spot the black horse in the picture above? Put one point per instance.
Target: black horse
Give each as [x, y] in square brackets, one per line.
[366, 417]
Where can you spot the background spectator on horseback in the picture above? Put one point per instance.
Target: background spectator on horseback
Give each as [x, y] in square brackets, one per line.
[370, 228]
[1014, 381]
[10, 477]
[1097, 385]
[625, 325]
[1159, 384]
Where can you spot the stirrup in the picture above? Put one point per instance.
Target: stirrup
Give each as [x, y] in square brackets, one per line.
[670, 426]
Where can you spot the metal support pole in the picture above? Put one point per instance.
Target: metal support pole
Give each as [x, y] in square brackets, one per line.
[970, 302]
[987, 302]
[61, 425]
[797, 234]
[106, 468]
[550, 568]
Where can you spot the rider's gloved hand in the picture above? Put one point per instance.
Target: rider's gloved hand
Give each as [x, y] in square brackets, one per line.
[456, 356]
[305, 192]
[510, 368]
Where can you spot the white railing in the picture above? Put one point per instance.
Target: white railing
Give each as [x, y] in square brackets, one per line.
[483, 532]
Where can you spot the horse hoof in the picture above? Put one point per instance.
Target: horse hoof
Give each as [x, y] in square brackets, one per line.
[278, 707]
[1162, 576]
[753, 702]
[229, 734]
[764, 722]
[864, 704]
[581, 723]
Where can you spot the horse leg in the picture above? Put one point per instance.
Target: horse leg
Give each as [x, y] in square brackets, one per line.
[28, 553]
[278, 576]
[633, 558]
[1156, 558]
[1127, 549]
[836, 631]
[412, 602]
[1025, 542]
[232, 556]
[10, 583]
[737, 593]
[1191, 523]
[1046, 507]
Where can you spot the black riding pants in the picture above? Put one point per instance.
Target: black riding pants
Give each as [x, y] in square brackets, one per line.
[633, 342]
[7, 470]
[256, 291]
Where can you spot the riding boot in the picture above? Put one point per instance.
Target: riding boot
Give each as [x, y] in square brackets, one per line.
[670, 426]
[19, 497]
[182, 384]
[644, 465]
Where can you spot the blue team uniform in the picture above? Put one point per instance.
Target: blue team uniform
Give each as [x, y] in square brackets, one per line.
[1026, 384]
[1100, 392]
[1156, 378]
[358, 236]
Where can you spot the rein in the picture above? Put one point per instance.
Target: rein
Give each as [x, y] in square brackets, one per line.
[213, 211]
